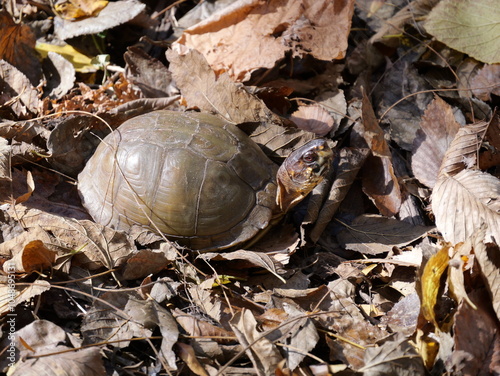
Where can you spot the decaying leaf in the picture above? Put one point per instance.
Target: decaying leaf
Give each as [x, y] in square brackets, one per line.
[17, 90]
[437, 130]
[468, 26]
[74, 9]
[313, 118]
[252, 34]
[465, 202]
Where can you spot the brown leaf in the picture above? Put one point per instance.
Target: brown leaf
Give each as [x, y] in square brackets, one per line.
[464, 202]
[17, 47]
[431, 283]
[36, 256]
[144, 263]
[488, 258]
[373, 234]
[254, 34]
[379, 181]
[437, 130]
[475, 335]
[261, 351]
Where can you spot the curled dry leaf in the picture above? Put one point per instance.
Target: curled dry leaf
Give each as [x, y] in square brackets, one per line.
[254, 258]
[17, 91]
[379, 180]
[465, 202]
[437, 130]
[60, 75]
[249, 35]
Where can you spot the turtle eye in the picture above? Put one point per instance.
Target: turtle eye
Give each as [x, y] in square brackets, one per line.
[310, 157]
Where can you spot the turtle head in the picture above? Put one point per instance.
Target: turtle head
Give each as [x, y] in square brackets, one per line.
[301, 171]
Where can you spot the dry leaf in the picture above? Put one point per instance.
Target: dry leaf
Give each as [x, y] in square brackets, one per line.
[437, 130]
[464, 202]
[252, 34]
[350, 162]
[261, 351]
[23, 292]
[74, 9]
[5, 160]
[467, 26]
[379, 181]
[488, 258]
[463, 150]
[373, 234]
[430, 282]
[396, 356]
[313, 118]
[114, 14]
[487, 82]
[17, 48]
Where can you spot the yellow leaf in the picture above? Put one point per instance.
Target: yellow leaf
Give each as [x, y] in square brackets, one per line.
[81, 62]
[431, 283]
[75, 9]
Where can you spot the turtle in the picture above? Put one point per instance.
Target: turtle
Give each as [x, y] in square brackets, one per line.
[197, 179]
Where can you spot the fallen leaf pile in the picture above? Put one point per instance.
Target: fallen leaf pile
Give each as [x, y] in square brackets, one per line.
[390, 267]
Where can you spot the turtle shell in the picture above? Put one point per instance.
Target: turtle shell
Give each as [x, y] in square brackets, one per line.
[191, 176]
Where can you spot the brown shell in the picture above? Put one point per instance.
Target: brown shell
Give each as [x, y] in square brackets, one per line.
[193, 177]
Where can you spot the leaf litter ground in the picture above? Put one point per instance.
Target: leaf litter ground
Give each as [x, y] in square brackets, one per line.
[390, 267]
